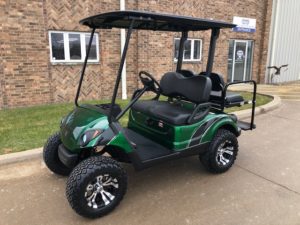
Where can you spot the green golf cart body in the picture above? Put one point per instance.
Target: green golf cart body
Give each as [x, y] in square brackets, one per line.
[188, 120]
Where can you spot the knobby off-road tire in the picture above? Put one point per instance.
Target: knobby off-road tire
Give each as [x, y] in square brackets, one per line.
[50, 155]
[222, 152]
[98, 177]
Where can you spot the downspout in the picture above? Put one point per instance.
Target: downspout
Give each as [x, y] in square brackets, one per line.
[124, 75]
[272, 39]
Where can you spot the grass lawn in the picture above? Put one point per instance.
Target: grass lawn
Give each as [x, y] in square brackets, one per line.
[28, 128]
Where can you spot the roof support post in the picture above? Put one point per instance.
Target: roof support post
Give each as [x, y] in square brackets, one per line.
[84, 66]
[181, 50]
[124, 75]
[119, 75]
[212, 47]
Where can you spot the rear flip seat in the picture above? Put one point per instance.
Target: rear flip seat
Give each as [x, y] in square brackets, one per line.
[232, 99]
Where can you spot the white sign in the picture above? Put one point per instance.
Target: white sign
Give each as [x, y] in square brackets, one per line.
[244, 24]
[240, 55]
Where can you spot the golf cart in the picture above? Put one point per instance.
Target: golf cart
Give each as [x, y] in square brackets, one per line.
[190, 122]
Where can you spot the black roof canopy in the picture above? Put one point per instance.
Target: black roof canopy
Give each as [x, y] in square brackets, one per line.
[152, 21]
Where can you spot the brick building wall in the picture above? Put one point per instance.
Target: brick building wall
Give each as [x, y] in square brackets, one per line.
[25, 76]
[64, 16]
[219, 10]
[28, 77]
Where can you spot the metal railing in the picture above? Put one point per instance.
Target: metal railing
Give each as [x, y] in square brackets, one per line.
[252, 126]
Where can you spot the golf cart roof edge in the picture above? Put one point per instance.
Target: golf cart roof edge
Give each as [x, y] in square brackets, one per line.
[152, 21]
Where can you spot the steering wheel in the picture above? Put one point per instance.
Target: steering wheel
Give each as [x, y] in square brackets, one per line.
[149, 81]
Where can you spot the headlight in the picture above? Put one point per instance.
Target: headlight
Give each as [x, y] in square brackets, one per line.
[88, 136]
[62, 121]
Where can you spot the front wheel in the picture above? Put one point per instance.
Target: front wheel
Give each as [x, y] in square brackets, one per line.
[96, 186]
[50, 155]
[222, 152]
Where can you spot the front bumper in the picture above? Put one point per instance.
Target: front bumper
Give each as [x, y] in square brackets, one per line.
[68, 158]
[239, 132]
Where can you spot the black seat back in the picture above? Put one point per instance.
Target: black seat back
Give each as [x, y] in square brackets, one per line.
[217, 81]
[195, 89]
[186, 73]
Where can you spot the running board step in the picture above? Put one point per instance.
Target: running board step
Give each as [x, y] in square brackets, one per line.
[245, 125]
[148, 153]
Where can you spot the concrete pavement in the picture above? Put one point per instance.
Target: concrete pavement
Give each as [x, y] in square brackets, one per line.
[263, 187]
[286, 91]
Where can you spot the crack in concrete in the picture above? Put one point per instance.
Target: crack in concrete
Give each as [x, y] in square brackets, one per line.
[282, 117]
[271, 181]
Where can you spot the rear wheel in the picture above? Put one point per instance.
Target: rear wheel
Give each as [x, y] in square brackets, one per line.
[222, 152]
[50, 155]
[96, 186]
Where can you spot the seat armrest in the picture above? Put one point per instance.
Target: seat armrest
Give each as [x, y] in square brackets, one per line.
[199, 112]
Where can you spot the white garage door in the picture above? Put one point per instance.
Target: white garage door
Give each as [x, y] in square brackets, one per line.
[285, 40]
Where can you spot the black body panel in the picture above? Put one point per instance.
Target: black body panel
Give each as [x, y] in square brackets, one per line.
[68, 158]
[106, 108]
[148, 153]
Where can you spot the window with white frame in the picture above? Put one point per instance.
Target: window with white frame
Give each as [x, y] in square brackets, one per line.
[192, 50]
[71, 47]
